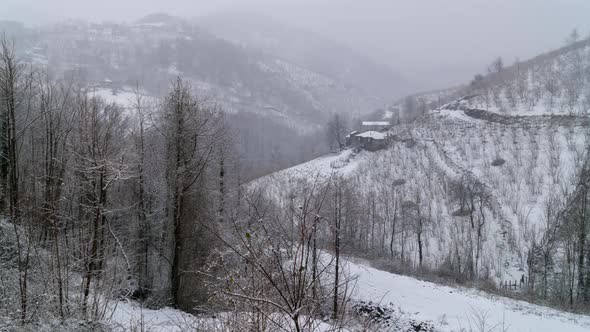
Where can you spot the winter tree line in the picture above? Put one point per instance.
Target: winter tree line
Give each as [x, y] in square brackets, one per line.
[102, 203]
[116, 57]
[558, 259]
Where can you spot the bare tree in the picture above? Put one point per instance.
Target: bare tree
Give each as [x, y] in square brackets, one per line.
[144, 227]
[336, 129]
[277, 272]
[192, 131]
[15, 104]
[98, 150]
[57, 116]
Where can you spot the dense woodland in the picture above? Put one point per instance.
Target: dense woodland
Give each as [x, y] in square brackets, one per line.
[102, 203]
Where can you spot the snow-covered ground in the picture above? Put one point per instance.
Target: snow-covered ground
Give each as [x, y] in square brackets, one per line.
[277, 185]
[452, 309]
[130, 316]
[125, 98]
[445, 308]
[343, 163]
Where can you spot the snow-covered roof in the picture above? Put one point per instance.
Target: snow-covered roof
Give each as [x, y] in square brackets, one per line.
[372, 134]
[352, 133]
[375, 123]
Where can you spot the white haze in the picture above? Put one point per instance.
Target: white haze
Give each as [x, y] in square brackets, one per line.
[434, 43]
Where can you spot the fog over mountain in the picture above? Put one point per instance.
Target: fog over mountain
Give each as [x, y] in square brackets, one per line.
[312, 51]
[295, 166]
[433, 43]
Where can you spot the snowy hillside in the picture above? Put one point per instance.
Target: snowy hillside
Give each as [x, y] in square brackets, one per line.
[473, 187]
[512, 166]
[553, 83]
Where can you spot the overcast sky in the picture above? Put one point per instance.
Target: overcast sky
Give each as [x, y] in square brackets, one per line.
[434, 42]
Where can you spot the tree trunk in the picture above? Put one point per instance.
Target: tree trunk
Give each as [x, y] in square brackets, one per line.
[581, 254]
[337, 220]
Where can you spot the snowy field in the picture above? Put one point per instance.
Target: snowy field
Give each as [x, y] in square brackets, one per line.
[125, 98]
[445, 308]
[130, 316]
[452, 309]
[277, 185]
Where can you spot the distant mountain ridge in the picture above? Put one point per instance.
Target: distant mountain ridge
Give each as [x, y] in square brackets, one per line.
[308, 50]
[276, 105]
[159, 47]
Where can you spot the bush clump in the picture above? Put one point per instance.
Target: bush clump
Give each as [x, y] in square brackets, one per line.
[498, 162]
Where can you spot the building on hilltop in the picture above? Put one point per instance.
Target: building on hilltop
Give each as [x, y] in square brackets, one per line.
[350, 137]
[368, 140]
